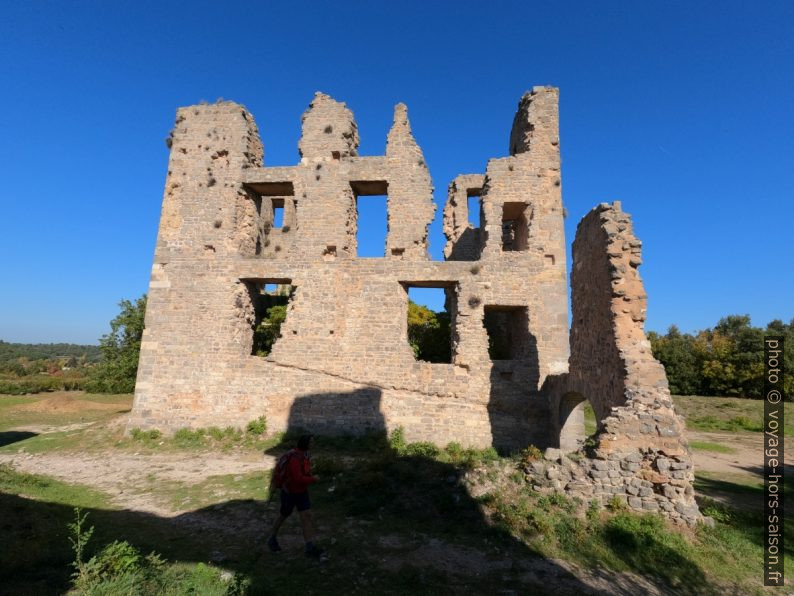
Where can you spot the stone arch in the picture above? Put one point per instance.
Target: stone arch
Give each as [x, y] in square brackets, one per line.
[571, 421]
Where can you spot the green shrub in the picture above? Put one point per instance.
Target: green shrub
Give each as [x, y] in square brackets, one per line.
[531, 453]
[616, 503]
[539, 522]
[593, 512]
[454, 450]
[743, 423]
[39, 384]
[257, 427]
[120, 568]
[397, 439]
[145, 436]
[556, 500]
[216, 433]
[117, 558]
[717, 511]
[571, 533]
[475, 457]
[232, 433]
[185, 437]
[421, 449]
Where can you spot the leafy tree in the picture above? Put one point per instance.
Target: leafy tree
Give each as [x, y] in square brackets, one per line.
[676, 352]
[725, 360]
[269, 329]
[14, 352]
[120, 349]
[429, 333]
[778, 327]
[715, 352]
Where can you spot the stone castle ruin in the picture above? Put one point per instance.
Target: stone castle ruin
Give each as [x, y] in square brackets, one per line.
[237, 237]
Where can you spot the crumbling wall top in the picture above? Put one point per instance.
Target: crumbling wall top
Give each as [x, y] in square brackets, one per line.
[536, 127]
[329, 129]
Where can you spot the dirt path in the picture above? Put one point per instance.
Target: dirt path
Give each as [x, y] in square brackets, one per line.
[127, 477]
[747, 457]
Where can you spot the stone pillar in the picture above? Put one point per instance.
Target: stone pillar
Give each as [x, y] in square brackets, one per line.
[195, 307]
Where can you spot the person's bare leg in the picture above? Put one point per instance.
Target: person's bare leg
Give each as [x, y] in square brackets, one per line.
[306, 525]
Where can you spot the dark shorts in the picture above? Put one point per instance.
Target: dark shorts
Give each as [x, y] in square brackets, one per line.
[290, 501]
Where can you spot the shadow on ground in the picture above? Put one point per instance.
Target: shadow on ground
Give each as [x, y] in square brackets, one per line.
[13, 436]
[391, 523]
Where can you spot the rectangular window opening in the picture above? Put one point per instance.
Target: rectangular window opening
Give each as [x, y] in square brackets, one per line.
[278, 213]
[515, 227]
[508, 332]
[475, 209]
[271, 298]
[371, 217]
[431, 321]
[273, 213]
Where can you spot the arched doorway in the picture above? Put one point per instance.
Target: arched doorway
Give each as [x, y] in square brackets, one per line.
[576, 421]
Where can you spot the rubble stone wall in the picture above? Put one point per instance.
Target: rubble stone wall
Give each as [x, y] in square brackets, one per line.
[639, 452]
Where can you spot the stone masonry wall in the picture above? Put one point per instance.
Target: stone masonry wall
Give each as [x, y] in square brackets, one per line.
[343, 362]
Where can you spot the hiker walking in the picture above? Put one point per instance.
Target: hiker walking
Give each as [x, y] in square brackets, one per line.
[292, 476]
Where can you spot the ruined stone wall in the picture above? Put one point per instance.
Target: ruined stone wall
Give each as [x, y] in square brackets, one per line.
[640, 452]
[343, 362]
[463, 239]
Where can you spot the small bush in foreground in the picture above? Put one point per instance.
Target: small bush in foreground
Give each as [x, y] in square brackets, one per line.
[120, 568]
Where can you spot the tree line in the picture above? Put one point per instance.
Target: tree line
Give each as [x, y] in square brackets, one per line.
[110, 367]
[727, 360]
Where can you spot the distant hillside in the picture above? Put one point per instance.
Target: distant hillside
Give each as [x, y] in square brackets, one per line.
[10, 352]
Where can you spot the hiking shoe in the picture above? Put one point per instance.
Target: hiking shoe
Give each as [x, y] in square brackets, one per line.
[313, 552]
[273, 544]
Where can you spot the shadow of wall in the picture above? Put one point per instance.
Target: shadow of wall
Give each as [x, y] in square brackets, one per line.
[467, 246]
[388, 492]
[355, 412]
[13, 436]
[517, 411]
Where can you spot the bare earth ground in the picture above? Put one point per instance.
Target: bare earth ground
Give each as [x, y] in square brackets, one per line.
[746, 460]
[129, 478]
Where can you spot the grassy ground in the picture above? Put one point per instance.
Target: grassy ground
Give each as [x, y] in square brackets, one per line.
[394, 518]
[709, 414]
[730, 414]
[711, 446]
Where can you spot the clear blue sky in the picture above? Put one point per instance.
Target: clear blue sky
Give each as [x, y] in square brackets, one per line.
[682, 110]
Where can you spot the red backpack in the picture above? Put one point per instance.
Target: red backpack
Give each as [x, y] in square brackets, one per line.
[281, 471]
